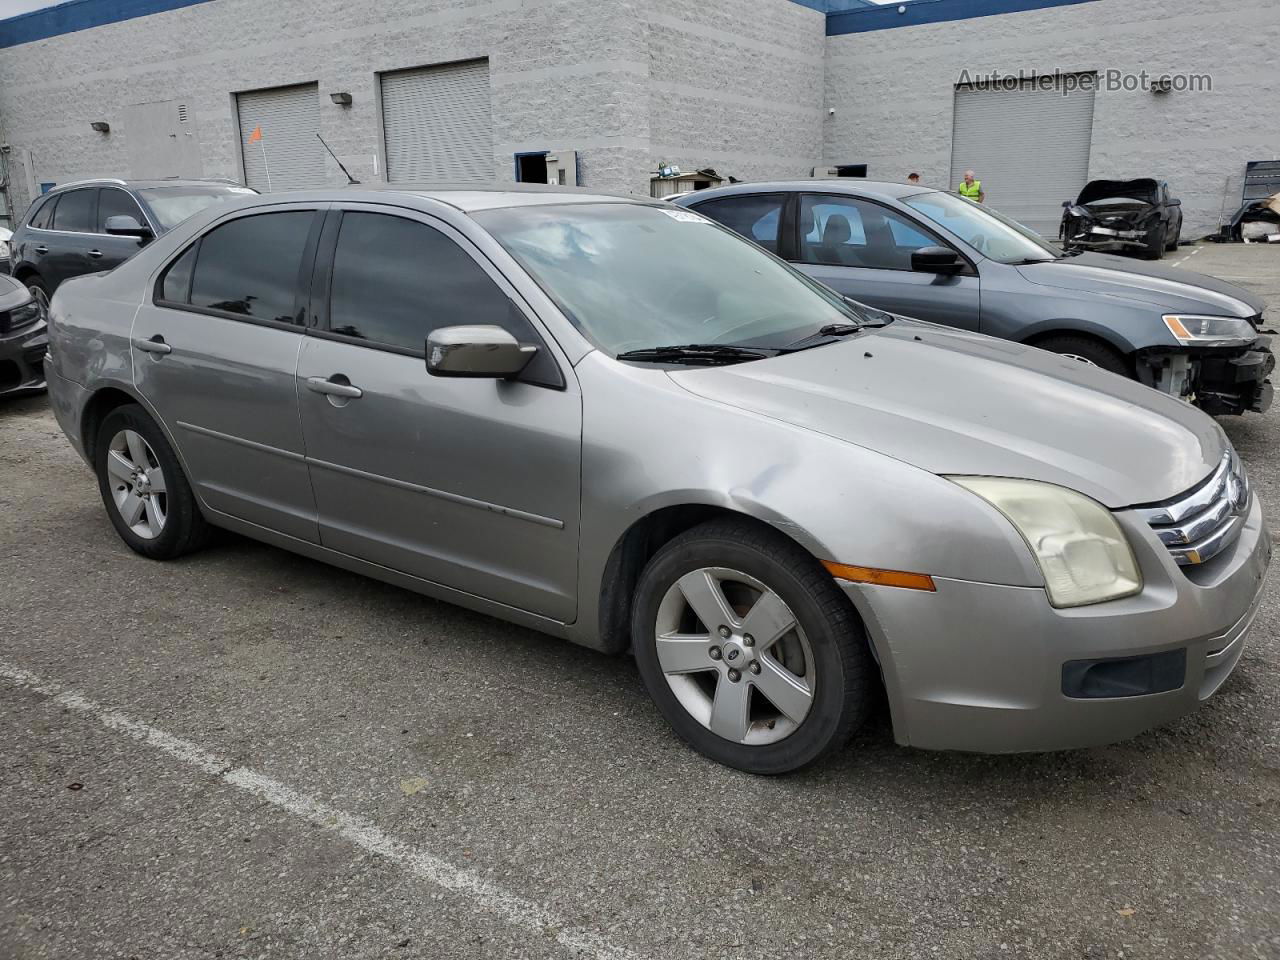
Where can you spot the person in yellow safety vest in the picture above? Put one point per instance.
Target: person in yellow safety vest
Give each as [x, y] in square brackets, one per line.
[972, 188]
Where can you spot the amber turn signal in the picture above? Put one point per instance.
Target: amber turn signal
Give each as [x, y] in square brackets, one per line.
[882, 578]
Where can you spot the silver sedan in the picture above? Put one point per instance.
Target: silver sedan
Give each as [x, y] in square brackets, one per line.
[617, 422]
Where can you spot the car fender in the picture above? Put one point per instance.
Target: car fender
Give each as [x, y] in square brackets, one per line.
[842, 502]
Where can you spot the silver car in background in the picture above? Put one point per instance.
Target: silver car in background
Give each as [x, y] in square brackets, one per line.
[616, 422]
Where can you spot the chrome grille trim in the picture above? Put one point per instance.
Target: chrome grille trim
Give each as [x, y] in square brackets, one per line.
[1204, 521]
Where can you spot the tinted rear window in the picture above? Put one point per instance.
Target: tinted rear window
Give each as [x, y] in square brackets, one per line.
[75, 211]
[250, 266]
[43, 213]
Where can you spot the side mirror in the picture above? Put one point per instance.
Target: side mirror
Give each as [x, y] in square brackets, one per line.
[936, 260]
[123, 225]
[479, 351]
[1175, 203]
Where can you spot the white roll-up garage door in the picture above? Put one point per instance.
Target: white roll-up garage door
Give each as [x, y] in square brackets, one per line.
[287, 156]
[1029, 146]
[438, 124]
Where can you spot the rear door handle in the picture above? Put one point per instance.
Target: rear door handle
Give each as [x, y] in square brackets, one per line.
[96, 254]
[41, 248]
[155, 345]
[334, 388]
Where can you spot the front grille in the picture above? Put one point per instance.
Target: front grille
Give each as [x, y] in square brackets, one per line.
[1204, 521]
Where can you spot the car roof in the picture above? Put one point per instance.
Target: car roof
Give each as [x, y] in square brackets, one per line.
[874, 189]
[466, 197]
[143, 184]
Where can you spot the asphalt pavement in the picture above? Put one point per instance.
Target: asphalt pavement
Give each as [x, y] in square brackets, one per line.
[249, 754]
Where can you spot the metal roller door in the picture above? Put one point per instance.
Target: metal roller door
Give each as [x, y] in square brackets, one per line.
[278, 137]
[438, 125]
[1029, 147]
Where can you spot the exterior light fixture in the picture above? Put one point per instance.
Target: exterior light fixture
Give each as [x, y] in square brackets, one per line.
[101, 126]
[342, 98]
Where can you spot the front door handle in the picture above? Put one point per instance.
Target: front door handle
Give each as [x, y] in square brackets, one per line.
[155, 345]
[41, 248]
[95, 254]
[334, 388]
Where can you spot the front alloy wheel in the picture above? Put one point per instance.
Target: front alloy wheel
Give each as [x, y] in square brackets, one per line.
[749, 648]
[734, 656]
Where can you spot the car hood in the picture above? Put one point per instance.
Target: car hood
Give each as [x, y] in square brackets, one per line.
[1165, 287]
[952, 402]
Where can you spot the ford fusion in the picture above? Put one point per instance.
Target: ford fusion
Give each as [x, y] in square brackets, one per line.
[619, 423]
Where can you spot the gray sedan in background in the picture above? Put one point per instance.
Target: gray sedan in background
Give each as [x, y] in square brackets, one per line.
[939, 257]
[617, 422]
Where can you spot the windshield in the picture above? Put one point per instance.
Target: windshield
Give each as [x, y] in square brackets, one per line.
[631, 276]
[171, 205]
[988, 232]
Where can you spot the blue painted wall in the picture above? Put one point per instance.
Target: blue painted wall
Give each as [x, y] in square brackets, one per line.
[79, 15]
[843, 16]
[842, 19]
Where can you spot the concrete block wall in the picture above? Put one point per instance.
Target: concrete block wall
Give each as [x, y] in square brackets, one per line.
[624, 82]
[738, 88]
[892, 91]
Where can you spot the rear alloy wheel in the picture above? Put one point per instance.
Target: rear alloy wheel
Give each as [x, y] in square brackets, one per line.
[143, 487]
[1087, 351]
[749, 648]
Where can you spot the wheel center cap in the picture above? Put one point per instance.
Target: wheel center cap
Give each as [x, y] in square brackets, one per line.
[143, 483]
[735, 654]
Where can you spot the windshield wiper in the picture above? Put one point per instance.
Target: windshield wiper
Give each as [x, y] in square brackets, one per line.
[827, 334]
[694, 354]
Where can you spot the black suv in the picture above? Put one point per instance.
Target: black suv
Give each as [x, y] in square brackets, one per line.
[93, 225]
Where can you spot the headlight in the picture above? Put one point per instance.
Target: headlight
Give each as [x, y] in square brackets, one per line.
[4, 249]
[1082, 552]
[1194, 331]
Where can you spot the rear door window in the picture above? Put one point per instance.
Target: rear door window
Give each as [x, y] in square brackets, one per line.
[42, 217]
[250, 266]
[75, 211]
[757, 217]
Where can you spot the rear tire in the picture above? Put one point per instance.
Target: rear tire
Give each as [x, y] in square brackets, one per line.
[1173, 244]
[804, 685]
[1089, 351]
[147, 496]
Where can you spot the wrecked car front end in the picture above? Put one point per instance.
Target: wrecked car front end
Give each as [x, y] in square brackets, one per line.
[1117, 216]
[1221, 364]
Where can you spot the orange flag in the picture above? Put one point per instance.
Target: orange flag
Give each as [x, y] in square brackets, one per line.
[256, 135]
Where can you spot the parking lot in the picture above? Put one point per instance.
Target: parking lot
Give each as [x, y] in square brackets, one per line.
[248, 754]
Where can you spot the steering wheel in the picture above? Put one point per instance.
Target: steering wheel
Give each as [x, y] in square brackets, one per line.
[979, 242]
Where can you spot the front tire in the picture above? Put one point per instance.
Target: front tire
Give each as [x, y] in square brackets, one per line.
[1157, 237]
[749, 649]
[1087, 351]
[146, 494]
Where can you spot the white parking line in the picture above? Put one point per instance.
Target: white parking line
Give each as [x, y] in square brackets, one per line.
[362, 833]
[1178, 263]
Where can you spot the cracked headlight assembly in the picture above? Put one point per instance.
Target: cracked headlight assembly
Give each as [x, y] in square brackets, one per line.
[1081, 550]
[1196, 331]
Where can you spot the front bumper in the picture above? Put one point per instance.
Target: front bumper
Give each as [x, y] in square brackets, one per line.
[980, 667]
[22, 359]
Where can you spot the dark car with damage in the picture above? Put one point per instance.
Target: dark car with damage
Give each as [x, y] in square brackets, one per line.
[94, 225]
[1123, 216]
[935, 256]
